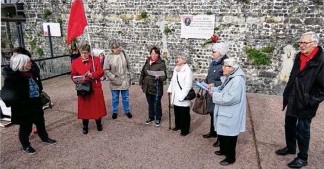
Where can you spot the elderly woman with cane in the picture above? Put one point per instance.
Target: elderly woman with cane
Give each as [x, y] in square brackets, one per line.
[179, 87]
[152, 86]
[230, 109]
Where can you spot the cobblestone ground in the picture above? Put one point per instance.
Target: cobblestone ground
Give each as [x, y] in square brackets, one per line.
[129, 143]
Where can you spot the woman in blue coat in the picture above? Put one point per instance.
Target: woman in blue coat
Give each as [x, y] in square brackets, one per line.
[230, 109]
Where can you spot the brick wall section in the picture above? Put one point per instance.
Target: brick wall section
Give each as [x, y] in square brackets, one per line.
[257, 24]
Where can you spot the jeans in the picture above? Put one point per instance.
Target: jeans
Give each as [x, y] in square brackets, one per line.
[155, 109]
[115, 100]
[298, 129]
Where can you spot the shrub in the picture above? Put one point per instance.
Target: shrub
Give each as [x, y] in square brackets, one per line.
[258, 57]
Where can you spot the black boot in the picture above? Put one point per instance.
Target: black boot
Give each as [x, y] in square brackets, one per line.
[212, 132]
[85, 126]
[99, 125]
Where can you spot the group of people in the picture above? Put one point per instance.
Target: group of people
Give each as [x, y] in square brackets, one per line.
[225, 95]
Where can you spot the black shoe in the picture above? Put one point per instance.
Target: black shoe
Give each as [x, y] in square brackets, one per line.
[50, 141]
[285, 151]
[29, 150]
[226, 162]
[183, 134]
[217, 143]
[114, 116]
[175, 129]
[129, 115]
[297, 163]
[149, 121]
[84, 131]
[99, 127]
[210, 135]
[219, 153]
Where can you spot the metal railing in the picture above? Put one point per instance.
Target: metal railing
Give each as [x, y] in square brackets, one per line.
[50, 67]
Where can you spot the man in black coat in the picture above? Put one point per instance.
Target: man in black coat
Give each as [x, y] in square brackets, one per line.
[302, 96]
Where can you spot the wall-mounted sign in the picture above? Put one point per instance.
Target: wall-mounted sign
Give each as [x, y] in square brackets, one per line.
[54, 27]
[197, 26]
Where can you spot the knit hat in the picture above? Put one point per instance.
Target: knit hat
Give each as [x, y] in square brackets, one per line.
[222, 48]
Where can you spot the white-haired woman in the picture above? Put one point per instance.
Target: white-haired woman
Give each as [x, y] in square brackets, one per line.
[21, 91]
[230, 109]
[215, 71]
[179, 87]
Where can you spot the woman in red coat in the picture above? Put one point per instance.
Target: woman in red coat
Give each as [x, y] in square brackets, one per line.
[90, 106]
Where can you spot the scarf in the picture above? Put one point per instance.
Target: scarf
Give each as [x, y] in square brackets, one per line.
[305, 58]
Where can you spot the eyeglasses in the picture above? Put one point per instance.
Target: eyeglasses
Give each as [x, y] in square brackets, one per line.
[214, 51]
[304, 43]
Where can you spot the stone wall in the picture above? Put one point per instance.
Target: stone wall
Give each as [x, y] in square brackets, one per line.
[241, 23]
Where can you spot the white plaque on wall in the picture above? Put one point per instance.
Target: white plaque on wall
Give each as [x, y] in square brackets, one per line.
[197, 26]
[54, 27]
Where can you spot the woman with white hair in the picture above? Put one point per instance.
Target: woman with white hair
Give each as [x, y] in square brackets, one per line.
[21, 91]
[179, 87]
[230, 109]
[215, 71]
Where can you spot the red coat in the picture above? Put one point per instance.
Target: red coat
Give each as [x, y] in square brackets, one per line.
[93, 105]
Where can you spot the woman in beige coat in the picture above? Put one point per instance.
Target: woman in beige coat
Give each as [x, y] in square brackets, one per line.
[116, 68]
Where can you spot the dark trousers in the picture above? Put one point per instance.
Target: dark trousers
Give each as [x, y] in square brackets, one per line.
[228, 147]
[85, 123]
[26, 128]
[155, 109]
[212, 128]
[298, 129]
[182, 118]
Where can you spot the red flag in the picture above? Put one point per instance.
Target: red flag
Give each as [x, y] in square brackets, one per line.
[77, 21]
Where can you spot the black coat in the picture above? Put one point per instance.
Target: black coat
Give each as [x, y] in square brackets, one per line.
[213, 76]
[305, 89]
[15, 93]
[148, 82]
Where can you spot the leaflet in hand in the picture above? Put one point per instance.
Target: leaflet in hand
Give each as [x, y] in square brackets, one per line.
[155, 73]
[202, 86]
[80, 78]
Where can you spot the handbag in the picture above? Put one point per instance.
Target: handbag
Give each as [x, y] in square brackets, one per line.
[83, 89]
[44, 97]
[200, 104]
[191, 95]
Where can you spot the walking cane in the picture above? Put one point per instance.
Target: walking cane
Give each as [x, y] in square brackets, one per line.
[169, 111]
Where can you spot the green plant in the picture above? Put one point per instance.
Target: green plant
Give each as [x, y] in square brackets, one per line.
[268, 49]
[244, 1]
[143, 15]
[209, 12]
[40, 51]
[32, 44]
[59, 20]
[258, 57]
[167, 30]
[47, 13]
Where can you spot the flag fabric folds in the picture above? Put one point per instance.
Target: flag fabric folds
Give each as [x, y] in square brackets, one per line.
[77, 21]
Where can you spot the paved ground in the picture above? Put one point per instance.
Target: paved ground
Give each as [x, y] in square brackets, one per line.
[129, 143]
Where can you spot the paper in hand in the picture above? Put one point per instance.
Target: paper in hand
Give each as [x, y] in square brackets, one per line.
[155, 73]
[80, 78]
[202, 86]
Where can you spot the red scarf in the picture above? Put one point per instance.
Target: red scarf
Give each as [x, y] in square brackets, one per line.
[305, 58]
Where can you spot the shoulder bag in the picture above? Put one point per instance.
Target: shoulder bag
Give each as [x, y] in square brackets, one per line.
[191, 95]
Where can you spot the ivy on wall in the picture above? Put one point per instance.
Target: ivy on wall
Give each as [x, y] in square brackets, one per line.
[260, 56]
